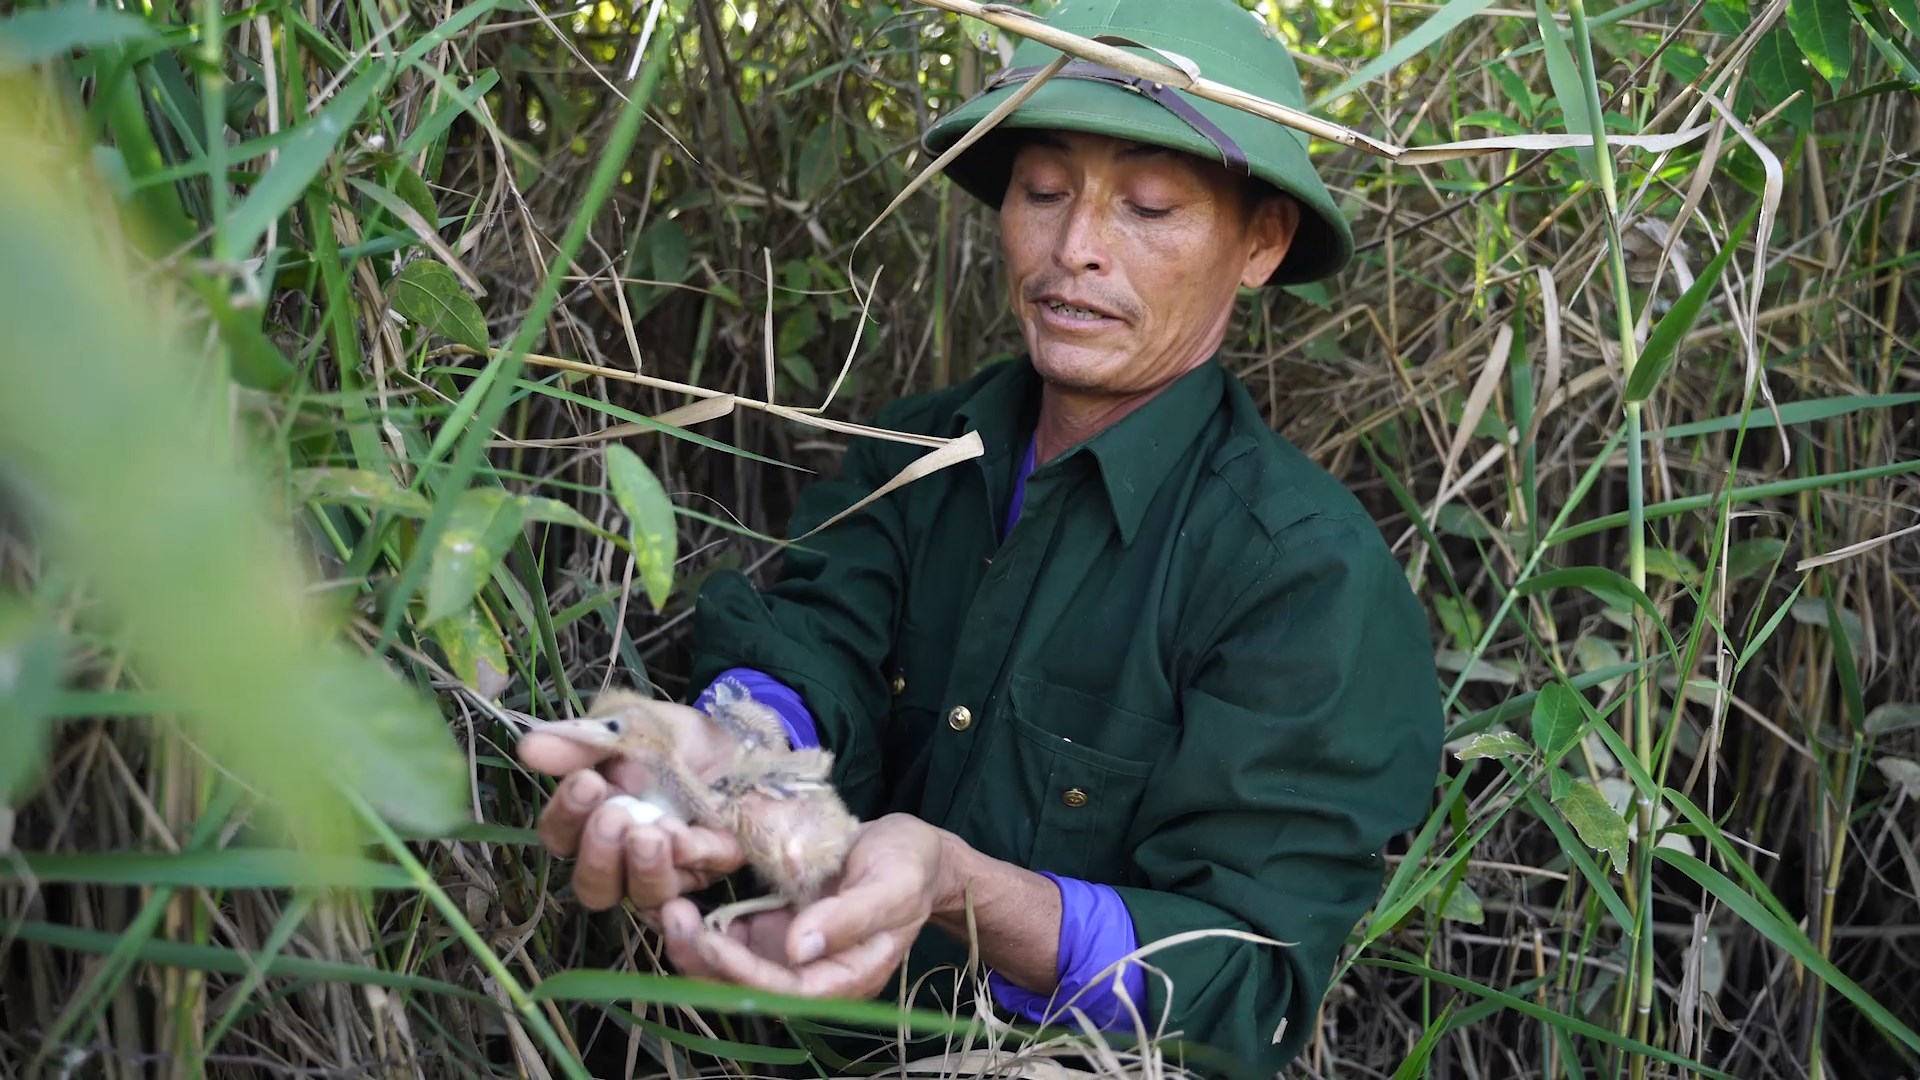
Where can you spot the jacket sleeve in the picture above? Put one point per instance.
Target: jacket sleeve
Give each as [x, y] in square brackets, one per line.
[1311, 735]
[826, 627]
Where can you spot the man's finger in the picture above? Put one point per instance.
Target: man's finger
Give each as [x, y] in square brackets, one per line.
[734, 961]
[565, 815]
[888, 894]
[702, 849]
[600, 869]
[858, 972]
[652, 877]
[556, 756]
[680, 928]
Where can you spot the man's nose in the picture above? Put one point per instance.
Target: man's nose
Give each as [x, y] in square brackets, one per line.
[1083, 241]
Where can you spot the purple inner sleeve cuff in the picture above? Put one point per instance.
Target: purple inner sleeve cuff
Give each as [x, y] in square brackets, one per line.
[1095, 931]
[781, 698]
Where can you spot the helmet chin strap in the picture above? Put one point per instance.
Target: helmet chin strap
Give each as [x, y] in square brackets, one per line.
[1159, 93]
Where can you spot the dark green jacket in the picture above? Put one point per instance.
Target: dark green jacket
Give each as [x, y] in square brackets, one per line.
[1192, 627]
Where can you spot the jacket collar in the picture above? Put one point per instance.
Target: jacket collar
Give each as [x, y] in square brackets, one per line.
[1132, 459]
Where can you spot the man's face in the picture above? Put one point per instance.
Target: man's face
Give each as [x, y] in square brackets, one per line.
[1123, 259]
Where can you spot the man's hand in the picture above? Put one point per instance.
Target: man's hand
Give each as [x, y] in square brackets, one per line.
[848, 944]
[614, 855]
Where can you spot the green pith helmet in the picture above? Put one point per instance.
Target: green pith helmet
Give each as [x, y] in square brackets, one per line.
[1229, 46]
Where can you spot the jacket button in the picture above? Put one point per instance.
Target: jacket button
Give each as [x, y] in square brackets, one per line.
[1074, 798]
[899, 684]
[960, 718]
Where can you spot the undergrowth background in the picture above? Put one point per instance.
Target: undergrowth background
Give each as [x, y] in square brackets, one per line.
[331, 339]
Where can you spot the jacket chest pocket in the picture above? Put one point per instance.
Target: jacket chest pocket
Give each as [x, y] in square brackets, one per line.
[1079, 768]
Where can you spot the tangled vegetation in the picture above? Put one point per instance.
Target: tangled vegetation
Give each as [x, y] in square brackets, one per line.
[374, 374]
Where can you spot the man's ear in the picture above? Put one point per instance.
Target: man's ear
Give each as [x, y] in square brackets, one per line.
[1275, 222]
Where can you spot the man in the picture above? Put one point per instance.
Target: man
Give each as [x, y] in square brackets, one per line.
[1140, 670]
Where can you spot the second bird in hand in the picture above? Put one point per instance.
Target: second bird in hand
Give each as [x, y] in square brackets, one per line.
[792, 826]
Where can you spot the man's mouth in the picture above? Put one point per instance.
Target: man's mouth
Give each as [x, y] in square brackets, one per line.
[1072, 312]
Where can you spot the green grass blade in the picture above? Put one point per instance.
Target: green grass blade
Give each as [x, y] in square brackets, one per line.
[1789, 937]
[231, 868]
[299, 162]
[1422, 37]
[1570, 1024]
[234, 961]
[604, 987]
[1737, 496]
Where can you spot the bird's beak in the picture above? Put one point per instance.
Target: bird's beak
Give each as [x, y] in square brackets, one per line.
[586, 731]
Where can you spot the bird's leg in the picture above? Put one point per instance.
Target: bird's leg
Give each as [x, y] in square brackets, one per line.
[722, 917]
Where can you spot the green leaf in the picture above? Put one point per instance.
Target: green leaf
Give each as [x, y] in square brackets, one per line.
[1812, 611]
[1557, 720]
[1893, 716]
[428, 294]
[30, 670]
[668, 253]
[300, 160]
[362, 487]
[38, 35]
[474, 651]
[1463, 905]
[483, 525]
[404, 182]
[1662, 563]
[1823, 29]
[1757, 555]
[1459, 619]
[1778, 74]
[1477, 669]
[553, 512]
[1901, 773]
[650, 512]
[1599, 827]
[819, 162]
[1596, 653]
[800, 371]
[1455, 519]
[1664, 340]
[398, 754]
[1494, 744]
[796, 330]
[1908, 12]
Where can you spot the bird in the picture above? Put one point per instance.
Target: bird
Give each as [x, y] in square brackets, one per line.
[793, 828]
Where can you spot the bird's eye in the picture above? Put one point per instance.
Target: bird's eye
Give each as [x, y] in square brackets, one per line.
[613, 726]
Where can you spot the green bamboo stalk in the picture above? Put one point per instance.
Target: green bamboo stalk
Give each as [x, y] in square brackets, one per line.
[1637, 719]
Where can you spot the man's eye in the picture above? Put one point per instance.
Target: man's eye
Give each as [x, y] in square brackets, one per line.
[1152, 211]
[1044, 196]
